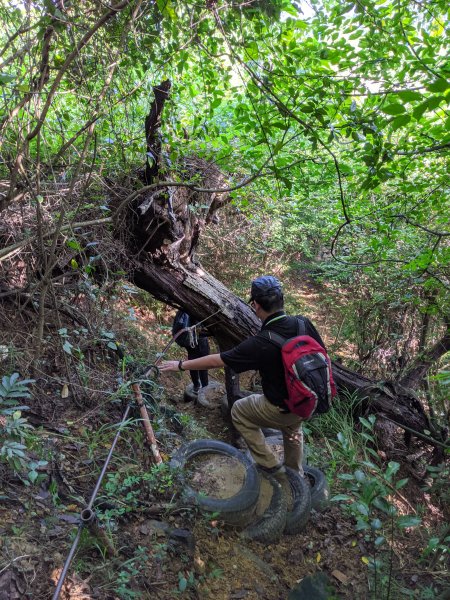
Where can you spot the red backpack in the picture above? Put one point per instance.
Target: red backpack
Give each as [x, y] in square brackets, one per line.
[307, 371]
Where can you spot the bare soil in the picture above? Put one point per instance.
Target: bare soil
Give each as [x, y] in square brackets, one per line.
[216, 476]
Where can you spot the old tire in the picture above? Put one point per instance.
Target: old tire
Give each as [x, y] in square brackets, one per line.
[268, 528]
[298, 516]
[320, 490]
[234, 510]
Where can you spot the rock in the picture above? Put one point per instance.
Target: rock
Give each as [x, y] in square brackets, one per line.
[182, 540]
[315, 586]
[154, 527]
[210, 396]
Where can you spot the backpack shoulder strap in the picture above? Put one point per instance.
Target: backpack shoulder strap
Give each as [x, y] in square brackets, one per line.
[273, 337]
[301, 326]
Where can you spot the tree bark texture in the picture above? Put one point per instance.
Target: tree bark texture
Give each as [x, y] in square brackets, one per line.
[152, 124]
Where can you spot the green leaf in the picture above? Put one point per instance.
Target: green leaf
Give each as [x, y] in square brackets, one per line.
[429, 104]
[362, 508]
[401, 483]
[360, 476]
[341, 437]
[408, 521]
[32, 476]
[340, 498]
[370, 465]
[74, 245]
[393, 109]
[409, 95]
[166, 8]
[6, 78]
[400, 121]
[440, 85]
[376, 524]
[383, 505]
[67, 347]
[108, 334]
[182, 584]
[365, 422]
[361, 525]
[392, 468]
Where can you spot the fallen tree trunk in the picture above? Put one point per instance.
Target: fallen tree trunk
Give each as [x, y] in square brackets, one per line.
[230, 320]
[387, 399]
[161, 230]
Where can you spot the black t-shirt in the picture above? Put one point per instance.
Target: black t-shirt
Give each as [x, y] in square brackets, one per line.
[259, 354]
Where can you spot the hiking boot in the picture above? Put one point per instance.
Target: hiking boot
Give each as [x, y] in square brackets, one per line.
[191, 393]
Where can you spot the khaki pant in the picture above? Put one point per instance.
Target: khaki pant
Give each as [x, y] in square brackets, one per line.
[253, 412]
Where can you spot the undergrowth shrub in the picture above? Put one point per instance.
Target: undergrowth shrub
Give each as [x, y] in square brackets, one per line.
[15, 431]
[127, 491]
[369, 495]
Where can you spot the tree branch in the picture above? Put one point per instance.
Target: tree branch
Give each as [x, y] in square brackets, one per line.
[9, 251]
[424, 150]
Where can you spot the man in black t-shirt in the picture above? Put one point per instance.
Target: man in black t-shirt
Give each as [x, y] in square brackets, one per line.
[258, 353]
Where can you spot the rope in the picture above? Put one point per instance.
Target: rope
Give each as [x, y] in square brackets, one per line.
[169, 344]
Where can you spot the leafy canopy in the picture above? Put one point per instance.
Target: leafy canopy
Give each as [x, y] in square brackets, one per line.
[342, 111]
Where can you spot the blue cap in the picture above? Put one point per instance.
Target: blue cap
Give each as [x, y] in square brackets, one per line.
[267, 285]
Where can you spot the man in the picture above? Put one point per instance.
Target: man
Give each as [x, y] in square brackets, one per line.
[258, 353]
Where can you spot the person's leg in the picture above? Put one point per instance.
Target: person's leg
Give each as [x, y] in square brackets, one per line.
[204, 379]
[195, 379]
[195, 375]
[253, 412]
[293, 446]
[203, 350]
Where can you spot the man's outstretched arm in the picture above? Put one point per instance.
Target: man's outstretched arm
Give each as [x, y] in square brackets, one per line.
[212, 361]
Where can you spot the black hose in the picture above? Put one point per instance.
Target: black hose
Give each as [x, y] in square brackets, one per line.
[87, 515]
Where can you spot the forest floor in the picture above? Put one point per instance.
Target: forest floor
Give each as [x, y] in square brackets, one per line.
[141, 556]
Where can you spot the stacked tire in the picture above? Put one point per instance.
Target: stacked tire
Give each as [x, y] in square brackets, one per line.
[236, 510]
[239, 509]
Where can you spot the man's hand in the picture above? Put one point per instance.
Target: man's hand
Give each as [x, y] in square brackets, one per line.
[168, 365]
[211, 361]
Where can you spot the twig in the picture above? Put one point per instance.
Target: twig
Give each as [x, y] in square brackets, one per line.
[14, 560]
[9, 251]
